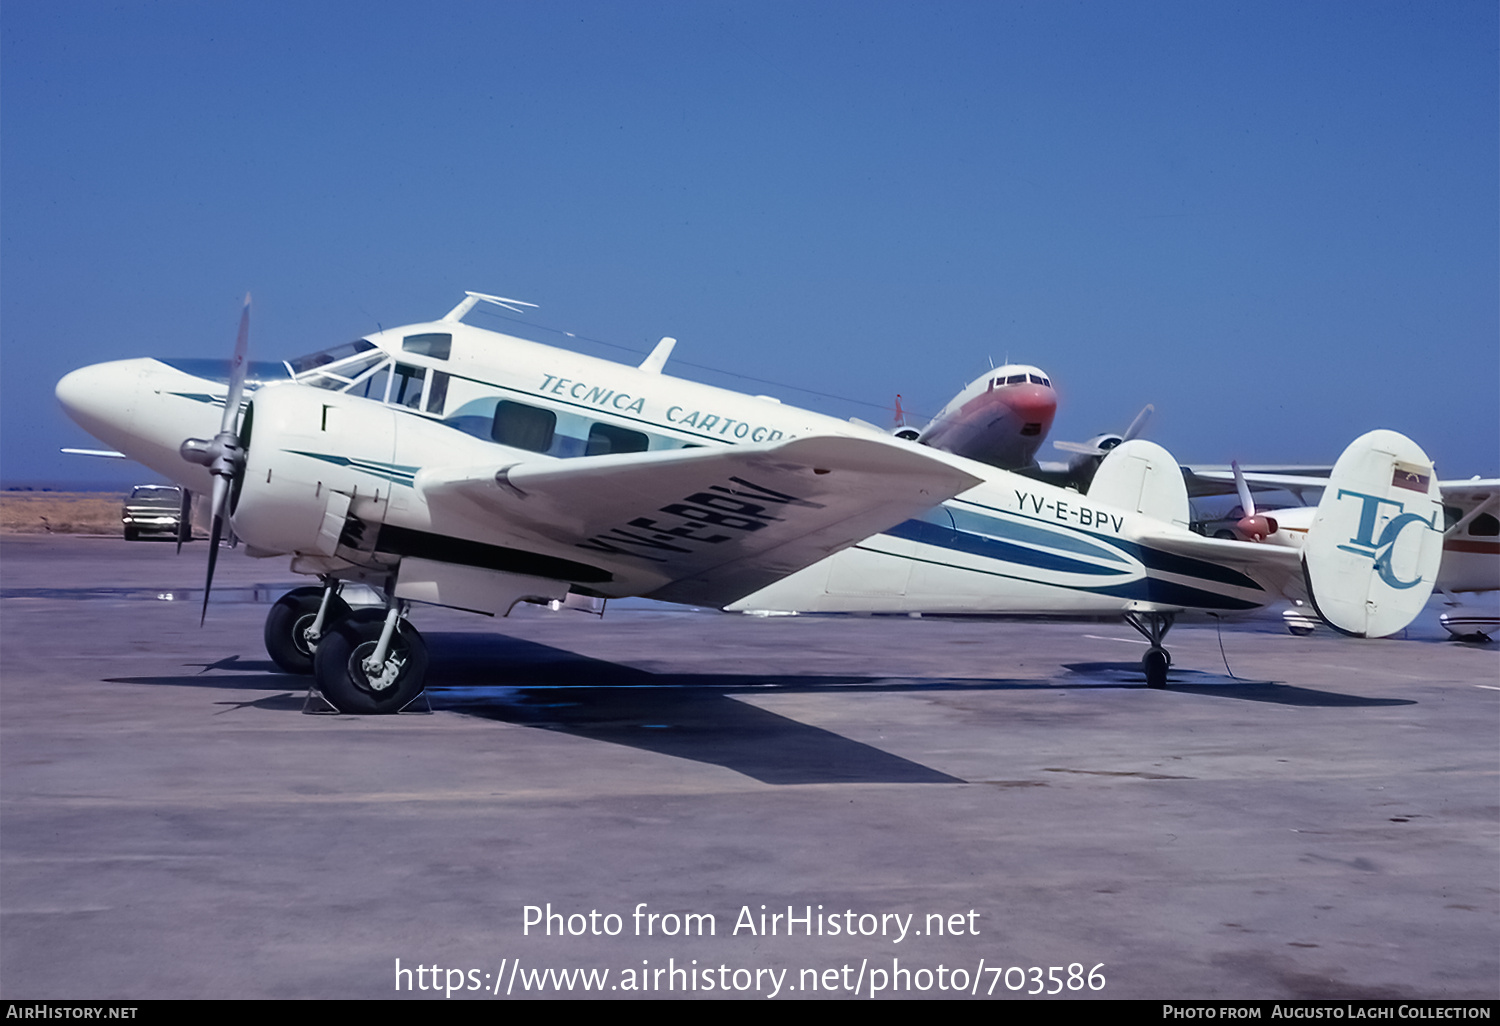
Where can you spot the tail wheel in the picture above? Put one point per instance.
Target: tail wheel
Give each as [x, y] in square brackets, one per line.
[287, 624]
[1155, 664]
[346, 682]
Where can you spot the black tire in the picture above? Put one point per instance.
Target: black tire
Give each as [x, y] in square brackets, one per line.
[1155, 663]
[132, 534]
[293, 613]
[1300, 632]
[342, 678]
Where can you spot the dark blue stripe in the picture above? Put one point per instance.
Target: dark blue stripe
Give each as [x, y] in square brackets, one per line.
[1147, 589]
[993, 548]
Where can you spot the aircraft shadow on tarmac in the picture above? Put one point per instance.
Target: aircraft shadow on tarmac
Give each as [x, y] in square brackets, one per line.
[694, 715]
[1198, 682]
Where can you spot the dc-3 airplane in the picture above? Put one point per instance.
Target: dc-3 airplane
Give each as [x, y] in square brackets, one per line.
[443, 463]
[1003, 416]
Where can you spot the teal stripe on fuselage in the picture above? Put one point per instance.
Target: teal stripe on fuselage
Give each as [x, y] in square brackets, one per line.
[1019, 531]
[928, 533]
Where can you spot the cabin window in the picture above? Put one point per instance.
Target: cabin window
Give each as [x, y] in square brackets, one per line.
[438, 345]
[406, 386]
[374, 386]
[606, 438]
[523, 427]
[437, 392]
[1484, 526]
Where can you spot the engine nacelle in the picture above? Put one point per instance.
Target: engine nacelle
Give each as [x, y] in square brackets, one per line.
[313, 459]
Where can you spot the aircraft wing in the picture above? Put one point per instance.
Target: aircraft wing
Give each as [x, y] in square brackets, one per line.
[706, 525]
[1472, 491]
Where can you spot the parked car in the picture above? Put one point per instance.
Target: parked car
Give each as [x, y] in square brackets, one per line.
[153, 510]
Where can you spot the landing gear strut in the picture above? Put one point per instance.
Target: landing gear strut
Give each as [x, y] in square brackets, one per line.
[373, 661]
[1153, 626]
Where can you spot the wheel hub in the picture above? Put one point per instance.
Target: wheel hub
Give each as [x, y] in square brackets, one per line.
[376, 677]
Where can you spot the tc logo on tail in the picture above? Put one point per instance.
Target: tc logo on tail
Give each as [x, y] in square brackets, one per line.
[1364, 542]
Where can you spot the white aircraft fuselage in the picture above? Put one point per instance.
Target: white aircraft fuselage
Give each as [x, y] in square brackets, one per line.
[1010, 544]
[447, 464]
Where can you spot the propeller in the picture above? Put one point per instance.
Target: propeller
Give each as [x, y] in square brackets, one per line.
[1252, 525]
[224, 456]
[1100, 445]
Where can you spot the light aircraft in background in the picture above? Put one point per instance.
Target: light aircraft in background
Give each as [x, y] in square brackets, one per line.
[442, 463]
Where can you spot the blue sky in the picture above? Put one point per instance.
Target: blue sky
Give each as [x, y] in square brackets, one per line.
[1275, 221]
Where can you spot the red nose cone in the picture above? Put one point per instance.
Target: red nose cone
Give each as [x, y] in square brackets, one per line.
[1256, 528]
[1032, 404]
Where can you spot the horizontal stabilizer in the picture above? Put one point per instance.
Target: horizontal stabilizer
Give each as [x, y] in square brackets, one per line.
[704, 525]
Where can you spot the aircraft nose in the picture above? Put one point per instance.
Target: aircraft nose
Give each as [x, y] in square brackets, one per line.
[101, 398]
[1033, 402]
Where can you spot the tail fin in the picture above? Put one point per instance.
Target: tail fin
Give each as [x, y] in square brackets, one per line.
[1372, 553]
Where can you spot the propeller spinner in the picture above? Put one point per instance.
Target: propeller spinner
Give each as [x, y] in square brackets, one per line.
[224, 456]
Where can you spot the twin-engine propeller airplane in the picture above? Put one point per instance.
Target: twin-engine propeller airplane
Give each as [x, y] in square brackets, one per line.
[442, 463]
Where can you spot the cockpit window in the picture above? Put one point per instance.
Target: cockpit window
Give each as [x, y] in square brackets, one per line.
[325, 357]
[339, 374]
[1484, 526]
[438, 345]
[1037, 379]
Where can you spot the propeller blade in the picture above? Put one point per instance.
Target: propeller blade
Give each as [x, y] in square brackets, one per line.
[1140, 422]
[224, 456]
[237, 369]
[221, 493]
[185, 520]
[1247, 501]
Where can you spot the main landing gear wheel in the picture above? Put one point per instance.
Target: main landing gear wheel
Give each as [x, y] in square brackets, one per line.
[287, 624]
[349, 683]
